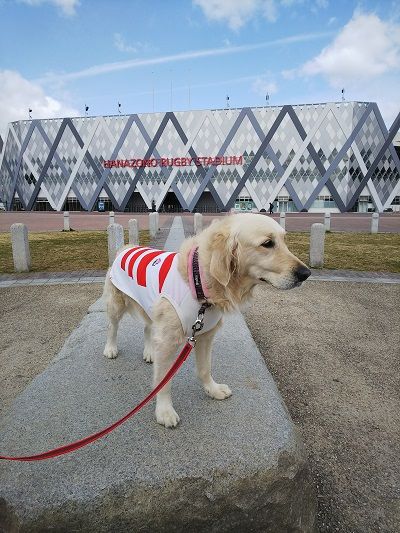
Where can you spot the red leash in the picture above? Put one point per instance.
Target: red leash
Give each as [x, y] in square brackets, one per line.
[91, 438]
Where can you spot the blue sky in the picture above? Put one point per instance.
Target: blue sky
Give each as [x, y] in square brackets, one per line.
[58, 55]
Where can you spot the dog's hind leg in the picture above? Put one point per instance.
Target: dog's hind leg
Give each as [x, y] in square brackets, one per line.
[148, 351]
[218, 391]
[115, 309]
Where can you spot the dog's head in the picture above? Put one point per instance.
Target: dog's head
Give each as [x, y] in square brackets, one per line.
[252, 247]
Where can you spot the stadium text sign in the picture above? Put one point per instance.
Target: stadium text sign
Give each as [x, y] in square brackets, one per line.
[174, 162]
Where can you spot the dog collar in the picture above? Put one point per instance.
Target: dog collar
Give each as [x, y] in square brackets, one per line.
[198, 286]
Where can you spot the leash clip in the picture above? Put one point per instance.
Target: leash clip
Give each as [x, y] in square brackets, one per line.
[198, 324]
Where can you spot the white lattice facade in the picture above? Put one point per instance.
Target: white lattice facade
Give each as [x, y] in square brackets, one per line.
[340, 151]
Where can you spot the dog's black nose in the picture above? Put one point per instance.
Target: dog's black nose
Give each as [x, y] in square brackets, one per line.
[302, 273]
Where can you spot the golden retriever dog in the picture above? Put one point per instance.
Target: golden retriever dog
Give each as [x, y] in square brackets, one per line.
[235, 253]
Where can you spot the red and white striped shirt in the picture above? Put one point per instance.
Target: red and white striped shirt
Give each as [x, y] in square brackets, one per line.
[146, 275]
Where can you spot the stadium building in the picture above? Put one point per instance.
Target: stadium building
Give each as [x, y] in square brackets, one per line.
[320, 157]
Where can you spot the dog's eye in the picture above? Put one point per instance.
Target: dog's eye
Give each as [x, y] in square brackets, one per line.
[268, 244]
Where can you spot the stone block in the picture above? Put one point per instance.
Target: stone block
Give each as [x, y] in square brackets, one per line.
[66, 221]
[153, 224]
[317, 245]
[20, 247]
[198, 223]
[282, 220]
[374, 222]
[327, 221]
[133, 231]
[115, 234]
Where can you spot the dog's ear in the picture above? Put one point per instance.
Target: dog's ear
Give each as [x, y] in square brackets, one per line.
[224, 257]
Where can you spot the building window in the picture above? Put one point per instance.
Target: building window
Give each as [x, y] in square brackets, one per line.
[244, 203]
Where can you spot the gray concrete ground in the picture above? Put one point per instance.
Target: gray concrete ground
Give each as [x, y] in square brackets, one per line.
[35, 322]
[333, 349]
[231, 466]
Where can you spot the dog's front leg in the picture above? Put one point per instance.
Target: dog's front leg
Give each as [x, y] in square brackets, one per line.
[163, 357]
[219, 391]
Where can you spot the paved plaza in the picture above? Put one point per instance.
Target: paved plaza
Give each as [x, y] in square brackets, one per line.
[48, 221]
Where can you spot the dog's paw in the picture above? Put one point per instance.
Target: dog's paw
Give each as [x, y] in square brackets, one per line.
[148, 356]
[167, 416]
[218, 391]
[111, 352]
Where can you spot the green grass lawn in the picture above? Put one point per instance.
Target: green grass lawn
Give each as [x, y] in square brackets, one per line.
[355, 251]
[87, 250]
[63, 251]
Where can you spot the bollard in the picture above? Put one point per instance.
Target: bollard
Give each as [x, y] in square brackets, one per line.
[153, 224]
[115, 234]
[157, 217]
[374, 222]
[111, 217]
[327, 221]
[20, 247]
[317, 242]
[133, 231]
[198, 223]
[66, 221]
[282, 220]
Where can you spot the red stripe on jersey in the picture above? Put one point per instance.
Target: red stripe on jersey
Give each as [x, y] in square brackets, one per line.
[132, 260]
[165, 267]
[128, 253]
[142, 266]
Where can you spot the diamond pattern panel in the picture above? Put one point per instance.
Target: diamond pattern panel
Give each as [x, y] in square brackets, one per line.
[340, 176]
[328, 139]
[188, 183]
[37, 151]
[26, 182]
[6, 180]
[55, 180]
[286, 141]
[86, 180]
[264, 178]
[101, 136]
[225, 182]
[304, 177]
[207, 140]
[369, 140]
[386, 176]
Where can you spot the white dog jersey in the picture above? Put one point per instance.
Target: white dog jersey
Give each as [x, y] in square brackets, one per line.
[146, 274]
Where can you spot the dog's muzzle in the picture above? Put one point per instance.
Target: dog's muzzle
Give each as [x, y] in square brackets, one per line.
[301, 274]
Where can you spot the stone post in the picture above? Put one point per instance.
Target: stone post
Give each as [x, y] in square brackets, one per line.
[317, 243]
[115, 234]
[111, 217]
[327, 221]
[374, 222]
[133, 231]
[20, 248]
[282, 220]
[66, 221]
[198, 223]
[152, 224]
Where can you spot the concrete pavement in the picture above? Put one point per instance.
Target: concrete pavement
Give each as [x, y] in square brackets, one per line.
[233, 465]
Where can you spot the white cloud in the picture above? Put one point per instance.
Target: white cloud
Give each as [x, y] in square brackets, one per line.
[106, 68]
[364, 58]
[17, 95]
[120, 44]
[68, 7]
[236, 13]
[366, 47]
[264, 85]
